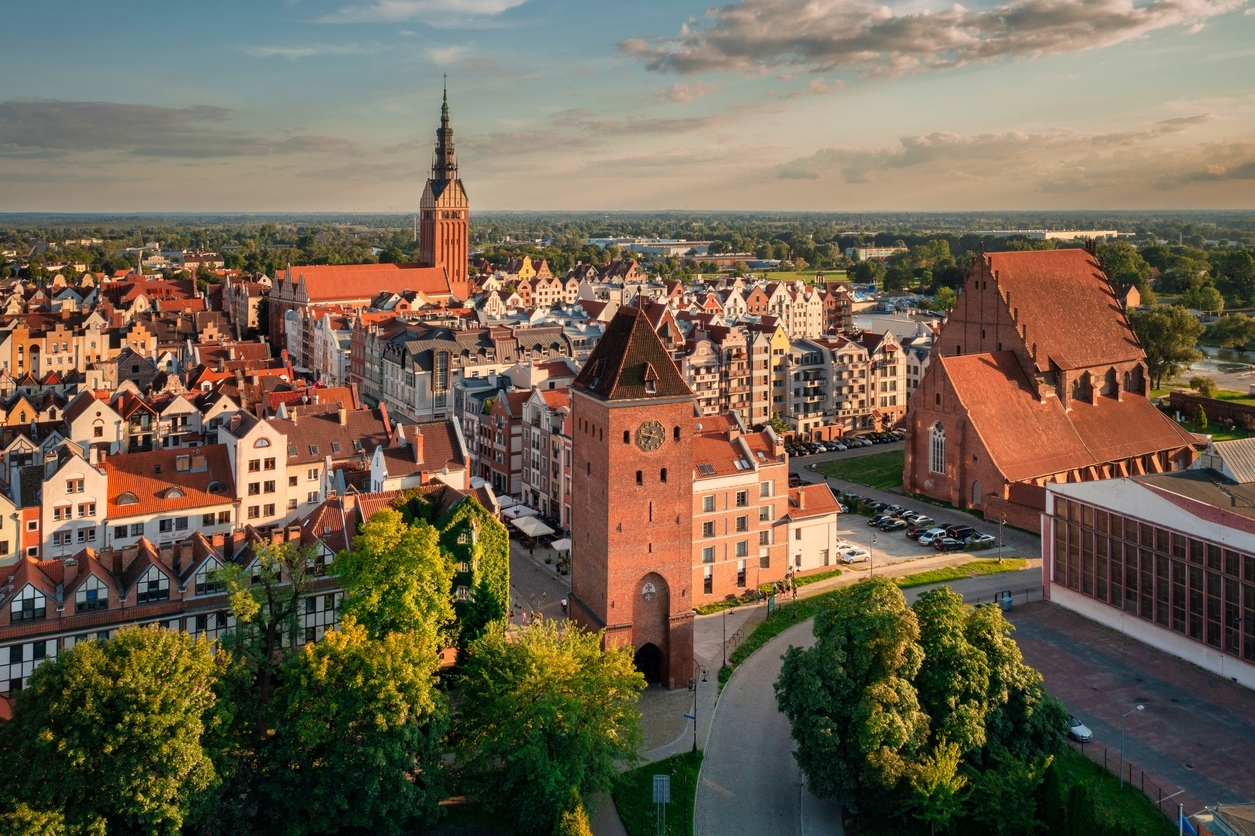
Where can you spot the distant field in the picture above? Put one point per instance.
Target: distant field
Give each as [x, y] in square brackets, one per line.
[879, 470]
[805, 275]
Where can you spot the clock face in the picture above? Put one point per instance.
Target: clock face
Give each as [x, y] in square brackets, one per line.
[649, 435]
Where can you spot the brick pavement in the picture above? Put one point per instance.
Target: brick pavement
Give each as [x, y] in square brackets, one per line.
[1197, 732]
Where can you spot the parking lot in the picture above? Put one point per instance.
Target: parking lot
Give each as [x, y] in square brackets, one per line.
[895, 547]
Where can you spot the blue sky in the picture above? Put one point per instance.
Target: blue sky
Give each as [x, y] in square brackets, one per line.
[330, 105]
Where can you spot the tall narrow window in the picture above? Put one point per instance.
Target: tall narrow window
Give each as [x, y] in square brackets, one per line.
[937, 449]
[662, 475]
[639, 479]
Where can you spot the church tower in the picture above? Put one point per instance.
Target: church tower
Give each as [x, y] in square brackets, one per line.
[632, 499]
[444, 213]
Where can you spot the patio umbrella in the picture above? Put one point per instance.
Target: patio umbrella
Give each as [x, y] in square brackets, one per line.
[563, 545]
[531, 526]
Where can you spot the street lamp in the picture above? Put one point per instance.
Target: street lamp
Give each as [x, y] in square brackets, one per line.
[693, 685]
[1002, 518]
[1122, 716]
[725, 637]
[871, 559]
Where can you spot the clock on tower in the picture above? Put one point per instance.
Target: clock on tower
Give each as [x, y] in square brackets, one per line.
[632, 499]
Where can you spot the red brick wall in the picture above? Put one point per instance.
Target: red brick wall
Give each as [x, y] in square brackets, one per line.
[626, 535]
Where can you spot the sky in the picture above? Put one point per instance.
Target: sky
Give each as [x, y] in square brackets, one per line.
[807, 105]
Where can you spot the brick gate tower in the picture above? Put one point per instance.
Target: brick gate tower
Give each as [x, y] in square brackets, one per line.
[444, 213]
[632, 499]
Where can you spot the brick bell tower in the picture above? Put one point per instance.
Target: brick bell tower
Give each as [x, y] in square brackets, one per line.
[444, 213]
[632, 499]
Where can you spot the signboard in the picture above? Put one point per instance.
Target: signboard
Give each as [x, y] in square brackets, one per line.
[662, 789]
[771, 603]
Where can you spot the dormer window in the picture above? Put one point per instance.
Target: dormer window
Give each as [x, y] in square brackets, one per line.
[173, 493]
[153, 587]
[207, 582]
[30, 605]
[126, 498]
[92, 595]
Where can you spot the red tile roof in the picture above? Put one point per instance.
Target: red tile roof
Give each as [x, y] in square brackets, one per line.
[333, 282]
[139, 474]
[810, 501]
[630, 362]
[1068, 305]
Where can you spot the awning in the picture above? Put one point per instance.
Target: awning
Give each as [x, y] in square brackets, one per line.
[519, 511]
[507, 501]
[531, 526]
[563, 545]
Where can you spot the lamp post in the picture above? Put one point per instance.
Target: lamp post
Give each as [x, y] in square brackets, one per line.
[694, 681]
[1002, 518]
[1122, 716]
[871, 559]
[725, 638]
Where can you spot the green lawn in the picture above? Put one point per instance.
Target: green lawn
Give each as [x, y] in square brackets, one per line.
[879, 470]
[807, 276]
[958, 573]
[1128, 805]
[633, 794]
[1217, 432]
[807, 580]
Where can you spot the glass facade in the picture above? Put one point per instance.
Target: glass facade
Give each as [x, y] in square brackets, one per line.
[1193, 587]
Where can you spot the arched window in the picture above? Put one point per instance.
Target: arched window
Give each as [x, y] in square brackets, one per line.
[937, 448]
[262, 442]
[662, 475]
[976, 498]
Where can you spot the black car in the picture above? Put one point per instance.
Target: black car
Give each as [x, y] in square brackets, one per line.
[949, 544]
[877, 506]
[892, 525]
[960, 532]
[913, 532]
[878, 519]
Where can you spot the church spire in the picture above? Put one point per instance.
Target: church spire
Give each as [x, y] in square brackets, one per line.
[444, 167]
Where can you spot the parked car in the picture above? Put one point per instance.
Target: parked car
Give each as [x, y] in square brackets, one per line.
[981, 540]
[1079, 731]
[877, 507]
[892, 524]
[841, 448]
[914, 532]
[843, 508]
[960, 532]
[856, 556]
[949, 544]
[878, 519]
[925, 521]
[927, 538]
[843, 547]
[894, 509]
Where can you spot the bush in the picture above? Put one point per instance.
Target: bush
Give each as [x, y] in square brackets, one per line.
[1200, 419]
[1205, 386]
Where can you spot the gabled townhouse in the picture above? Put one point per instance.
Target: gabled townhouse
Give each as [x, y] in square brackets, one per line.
[165, 495]
[419, 454]
[259, 466]
[72, 500]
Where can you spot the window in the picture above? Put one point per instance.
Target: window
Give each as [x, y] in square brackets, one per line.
[764, 538]
[662, 475]
[311, 604]
[743, 523]
[765, 489]
[708, 554]
[707, 580]
[742, 548]
[29, 606]
[292, 503]
[98, 431]
[119, 531]
[742, 499]
[254, 465]
[32, 525]
[311, 635]
[92, 595]
[224, 517]
[88, 510]
[165, 525]
[269, 509]
[740, 574]
[74, 486]
[313, 449]
[639, 479]
[311, 475]
[627, 437]
[268, 464]
[797, 534]
[764, 513]
[253, 512]
[254, 488]
[291, 481]
[268, 487]
[937, 449]
[708, 529]
[207, 582]
[708, 503]
[313, 496]
[137, 529]
[153, 587]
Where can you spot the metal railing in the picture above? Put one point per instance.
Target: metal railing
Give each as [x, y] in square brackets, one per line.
[1134, 775]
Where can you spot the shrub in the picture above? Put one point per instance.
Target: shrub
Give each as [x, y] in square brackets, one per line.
[1205, 386]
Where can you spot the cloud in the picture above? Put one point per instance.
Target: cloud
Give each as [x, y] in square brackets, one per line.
[685, 93]
[295, 53]
[823, 35]
[429, 11]
[54, 128]
[447, 54]
[517, 143]
[1056, 161]
[583, 119]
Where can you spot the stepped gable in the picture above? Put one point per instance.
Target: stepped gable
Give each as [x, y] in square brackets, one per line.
[630, 362]
[1068, 305]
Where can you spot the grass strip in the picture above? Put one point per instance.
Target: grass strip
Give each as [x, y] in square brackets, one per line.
[807, 580]
[958, 573]
[633, 794]
[879, 470]
[1128, 806]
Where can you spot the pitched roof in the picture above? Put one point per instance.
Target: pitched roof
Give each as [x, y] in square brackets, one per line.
[812, 501]
[315, 436]
[331, 282]
[629, 356]
[1028, 438]
[158, 485]
[1089, 329]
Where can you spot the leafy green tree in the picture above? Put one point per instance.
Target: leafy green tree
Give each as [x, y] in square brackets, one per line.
[740, 268]
[953, 680]
[937, 786]
[358, 728]
[391, 255]
[574, 820]
[778, 423]
[1123, 264]
[1205, 386]
[868, 272]
[1234, 331]
[944, 299]
[1168, 335]
[1203, 298]
[542, 713]
[109, 735]
[853, 709]
[1234, 273]
[1200, 419]
[395, 579]
[24, 821]
[1000, 798]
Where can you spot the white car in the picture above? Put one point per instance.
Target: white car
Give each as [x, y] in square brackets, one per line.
[927, 538]
[843, 547]
[1079, 731]
[856, 556]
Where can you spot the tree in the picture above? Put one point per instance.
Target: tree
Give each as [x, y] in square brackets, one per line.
[395, 579]
[1203, 298]
[542, 713]
[24, 821]
[1234, 331]
[1000, 798]
[853, 709]
[109, 735]
[1205, 386]
[1168, 335]
[1234, 273]
[1123, 265]
[953, 680]
[868, 272]
[937, 786]
[778, 423]
[1200, 419]
[944, 299]
[740, 268]
[358, 733]
[391, 255]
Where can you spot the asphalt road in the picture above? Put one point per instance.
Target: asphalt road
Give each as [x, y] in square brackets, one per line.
[750, 783]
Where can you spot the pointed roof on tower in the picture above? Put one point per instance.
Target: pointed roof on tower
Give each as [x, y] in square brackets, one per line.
[444, 164]
[631, 363]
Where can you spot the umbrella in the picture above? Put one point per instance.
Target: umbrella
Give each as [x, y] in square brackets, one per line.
[563, 545]
[519, 511]
[506, 501]
[531, 526]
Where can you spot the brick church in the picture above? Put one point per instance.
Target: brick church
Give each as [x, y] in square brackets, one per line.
[632, 499]
[1037, 377]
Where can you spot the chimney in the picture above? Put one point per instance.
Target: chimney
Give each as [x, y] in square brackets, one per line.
[418, 446]
[276, 536]
[801, 499]
[222, 366]
[231, 353]
[218, 541]
[185, 556]
[255, 379]
[344, 416]
[734, 432]
[93, 456]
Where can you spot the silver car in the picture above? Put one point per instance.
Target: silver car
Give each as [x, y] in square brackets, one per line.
[1079, 731]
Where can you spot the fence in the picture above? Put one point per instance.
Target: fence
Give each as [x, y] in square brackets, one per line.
[1134, 776]
[1018, 596]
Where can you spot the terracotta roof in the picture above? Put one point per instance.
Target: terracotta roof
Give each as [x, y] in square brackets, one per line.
[1027, 438]
[812, 501]
[314, 436]
[1087, 329]
[151, 476]
[630, 363]
[331, 282]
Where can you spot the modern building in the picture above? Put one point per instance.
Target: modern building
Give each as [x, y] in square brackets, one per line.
[1166, 558]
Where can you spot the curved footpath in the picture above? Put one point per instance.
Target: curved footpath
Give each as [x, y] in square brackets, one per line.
[750, 784]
